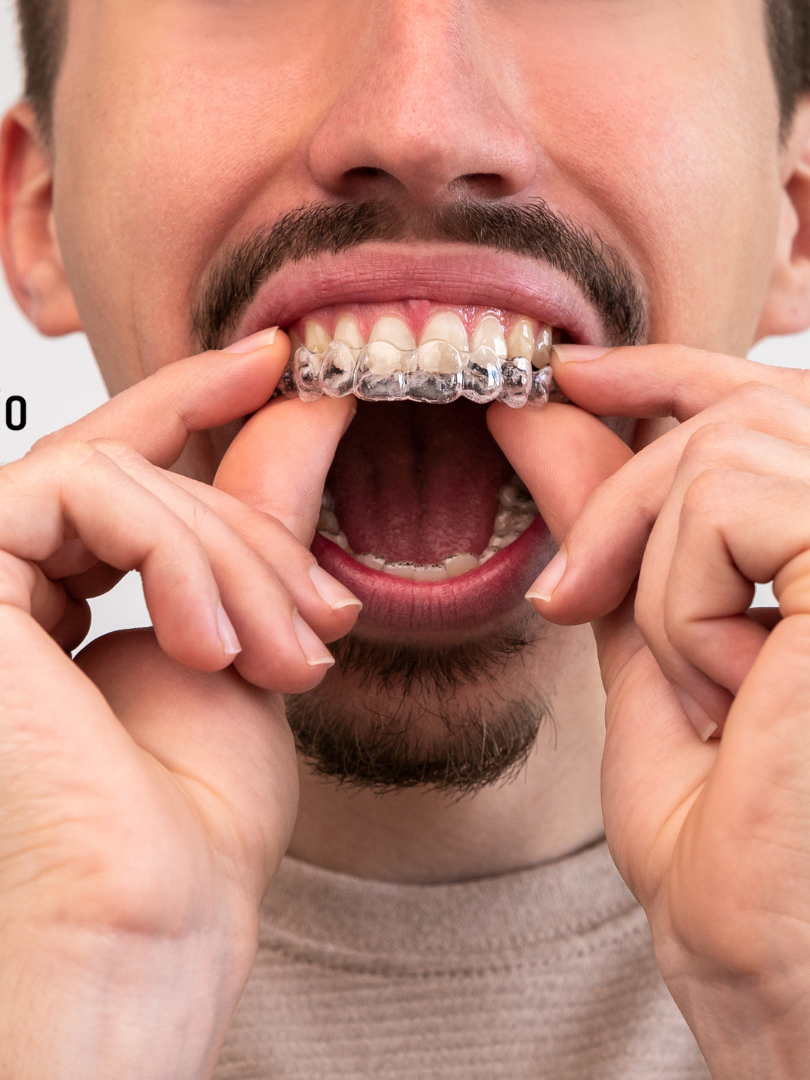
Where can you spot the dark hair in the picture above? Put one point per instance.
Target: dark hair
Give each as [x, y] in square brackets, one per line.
[789, 46]
[42, 32]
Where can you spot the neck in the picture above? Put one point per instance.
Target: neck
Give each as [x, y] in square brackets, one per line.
[549, 809]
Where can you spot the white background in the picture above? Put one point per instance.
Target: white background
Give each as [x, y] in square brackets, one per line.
[60, 382]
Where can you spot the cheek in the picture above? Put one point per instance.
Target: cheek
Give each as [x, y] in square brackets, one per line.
[168, 150]
[674, 148]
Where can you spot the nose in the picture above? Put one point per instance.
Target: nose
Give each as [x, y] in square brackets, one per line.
[420, 114]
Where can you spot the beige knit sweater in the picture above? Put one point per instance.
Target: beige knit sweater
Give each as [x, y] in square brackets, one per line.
[546, 974]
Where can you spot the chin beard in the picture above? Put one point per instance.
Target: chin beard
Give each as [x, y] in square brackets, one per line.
[421, 717]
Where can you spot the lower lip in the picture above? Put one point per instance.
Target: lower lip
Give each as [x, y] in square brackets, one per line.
[393, 606]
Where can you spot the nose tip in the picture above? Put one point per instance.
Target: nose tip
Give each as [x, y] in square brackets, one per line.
[420, 117]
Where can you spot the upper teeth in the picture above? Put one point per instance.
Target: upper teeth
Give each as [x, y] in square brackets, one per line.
[516, 512]
[443, 366]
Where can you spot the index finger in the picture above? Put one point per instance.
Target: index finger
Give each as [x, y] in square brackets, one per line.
[646, 381]
[156, 416]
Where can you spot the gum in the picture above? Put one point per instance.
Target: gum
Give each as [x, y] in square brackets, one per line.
[435, 372]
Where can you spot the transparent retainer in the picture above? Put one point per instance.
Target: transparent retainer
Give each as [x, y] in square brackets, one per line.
[434, 372]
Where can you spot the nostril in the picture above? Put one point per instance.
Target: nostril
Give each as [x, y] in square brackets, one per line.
[364, 172]
[480, 185]
[369, 182]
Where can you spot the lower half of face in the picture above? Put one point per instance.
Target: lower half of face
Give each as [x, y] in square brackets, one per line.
[449, 674]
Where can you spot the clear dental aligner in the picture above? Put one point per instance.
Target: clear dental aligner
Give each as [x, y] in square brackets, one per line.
[445, 365]
[516, 512]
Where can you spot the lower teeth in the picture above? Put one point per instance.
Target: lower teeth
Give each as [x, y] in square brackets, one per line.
[436, 372]
[516, 512]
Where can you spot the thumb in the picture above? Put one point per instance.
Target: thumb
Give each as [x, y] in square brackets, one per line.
[279, 460]
[562, 454]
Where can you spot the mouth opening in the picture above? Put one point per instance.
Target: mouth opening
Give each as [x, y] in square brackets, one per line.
[436, 500]
[423, 517]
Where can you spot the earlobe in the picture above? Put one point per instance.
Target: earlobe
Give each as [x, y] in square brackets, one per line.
[28, 242]
[787, 305]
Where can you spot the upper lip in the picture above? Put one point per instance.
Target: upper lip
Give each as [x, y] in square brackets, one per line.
[449, 273]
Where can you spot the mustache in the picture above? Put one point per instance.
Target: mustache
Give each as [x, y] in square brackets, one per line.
[530, 229]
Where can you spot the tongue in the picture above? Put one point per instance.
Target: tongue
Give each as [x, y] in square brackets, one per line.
[417, 483]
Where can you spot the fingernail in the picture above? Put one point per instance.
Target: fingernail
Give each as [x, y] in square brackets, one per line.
[698, 717]
[254, 342]
[579, 352]
[333, 594]
[227, 634]
[314, 650]
[543, 588]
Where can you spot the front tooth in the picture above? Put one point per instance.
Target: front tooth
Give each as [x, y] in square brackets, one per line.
[482, 376]
[490, 333]
[348, 331]
[374, 562]
[315, 337]
[460, 564]
[434, 572]
[446, 326]
[394, 330]
[520, 341]
[437, 373]
[400, 569]
[382, 372]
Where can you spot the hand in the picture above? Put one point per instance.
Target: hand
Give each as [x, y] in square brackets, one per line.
[139, 829]
[712, 836]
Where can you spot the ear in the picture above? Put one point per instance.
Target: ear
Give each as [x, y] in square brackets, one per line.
[787, 304]
[28, 244]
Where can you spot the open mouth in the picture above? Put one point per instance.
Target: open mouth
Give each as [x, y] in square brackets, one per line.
[423, 518]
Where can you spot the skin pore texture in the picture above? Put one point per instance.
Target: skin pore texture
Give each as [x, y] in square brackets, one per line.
[430, 102]
[184, 131]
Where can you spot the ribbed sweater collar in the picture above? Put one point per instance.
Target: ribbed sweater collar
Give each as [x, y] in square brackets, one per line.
[324, 912]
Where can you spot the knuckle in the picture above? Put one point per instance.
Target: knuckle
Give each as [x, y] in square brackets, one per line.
[756, 396]
[707, 490]
[113, 448]
[62, 455]
[53, 438]
[714, 440]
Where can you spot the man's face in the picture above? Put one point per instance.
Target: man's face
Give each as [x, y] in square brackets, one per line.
[185, 129]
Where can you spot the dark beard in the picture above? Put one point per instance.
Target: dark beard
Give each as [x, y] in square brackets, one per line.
[379, 746]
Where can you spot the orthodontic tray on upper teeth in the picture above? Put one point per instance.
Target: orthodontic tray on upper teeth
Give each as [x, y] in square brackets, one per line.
[434, 372]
